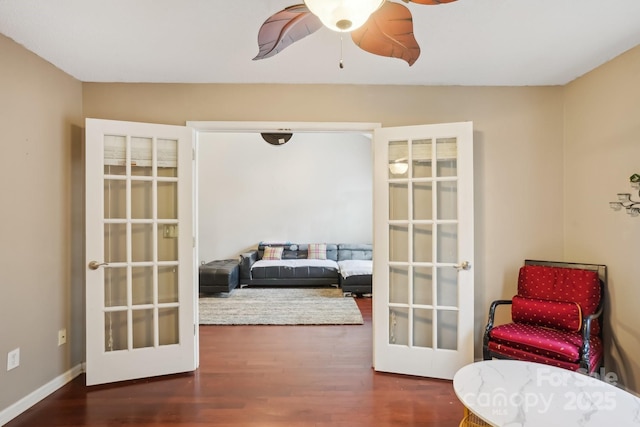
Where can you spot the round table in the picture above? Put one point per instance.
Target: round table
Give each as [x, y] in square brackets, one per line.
[520, 394]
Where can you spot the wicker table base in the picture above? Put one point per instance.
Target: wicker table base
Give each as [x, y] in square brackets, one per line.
[472, 420]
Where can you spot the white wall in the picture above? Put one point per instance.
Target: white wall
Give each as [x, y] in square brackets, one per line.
[315, 188]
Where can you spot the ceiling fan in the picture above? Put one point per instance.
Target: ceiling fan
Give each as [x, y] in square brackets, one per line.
[381, 27]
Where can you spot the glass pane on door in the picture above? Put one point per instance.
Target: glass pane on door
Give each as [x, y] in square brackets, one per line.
[447, 243]
[115, 193]
[399, 285]
[399, 243]
[140, 192]
[167, 242]
[115, 242]
[141, 199]
[398, 201]
[447, 155]
[422, 242]
[447, 329]
[421, 155]
[399, 326]
[116, 331]
[422, 200]
[167, 157]
[422, 286]
[447, 200]
[167, 200]
[142, 284]
[141, 242]
[167, 284]
[141, 156]
[398, 159]
[422, 327]
[447, 288]
[143, 328]
[168, 326]
[115, 287]
[423, 237]
[115, 152]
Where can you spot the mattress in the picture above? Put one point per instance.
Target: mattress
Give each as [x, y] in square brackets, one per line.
[355, 267]
[294, 269]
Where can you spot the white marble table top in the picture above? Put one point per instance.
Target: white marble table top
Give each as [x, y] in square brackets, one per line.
[509, 393]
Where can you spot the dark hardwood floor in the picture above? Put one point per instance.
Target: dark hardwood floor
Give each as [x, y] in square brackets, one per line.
[263, 376]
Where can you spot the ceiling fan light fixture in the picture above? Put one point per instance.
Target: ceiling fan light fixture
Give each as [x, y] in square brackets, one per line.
[343, 15]
[399, 167]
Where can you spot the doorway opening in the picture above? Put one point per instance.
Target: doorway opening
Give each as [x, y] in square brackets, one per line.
[317, 187]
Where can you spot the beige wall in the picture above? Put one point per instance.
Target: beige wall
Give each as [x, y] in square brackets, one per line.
[40, 131]
[602, 150]
[518, 149]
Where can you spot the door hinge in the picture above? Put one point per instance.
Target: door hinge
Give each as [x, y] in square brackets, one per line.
[193, 154]
[194, 329]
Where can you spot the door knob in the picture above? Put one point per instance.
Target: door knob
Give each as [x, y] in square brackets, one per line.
[94, 265]
[464, 265]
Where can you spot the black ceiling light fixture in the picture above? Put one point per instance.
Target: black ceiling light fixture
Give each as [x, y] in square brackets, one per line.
[279, 138]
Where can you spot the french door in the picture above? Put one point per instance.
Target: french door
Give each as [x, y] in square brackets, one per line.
[140, 293]
[423, 242]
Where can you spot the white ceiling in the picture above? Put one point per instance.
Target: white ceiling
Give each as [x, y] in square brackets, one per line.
[468, 42]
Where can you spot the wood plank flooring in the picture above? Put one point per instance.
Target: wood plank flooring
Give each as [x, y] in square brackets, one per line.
[263, 376]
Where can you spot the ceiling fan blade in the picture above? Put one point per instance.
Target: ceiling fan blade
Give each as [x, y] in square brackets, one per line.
[429, 2]
[284, 28]
[389, 32]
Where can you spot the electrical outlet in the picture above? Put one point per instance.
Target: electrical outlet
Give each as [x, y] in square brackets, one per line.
[62, 336]
[13, 359]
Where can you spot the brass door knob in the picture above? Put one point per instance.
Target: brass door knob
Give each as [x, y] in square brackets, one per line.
[94, 265]
[464, 265]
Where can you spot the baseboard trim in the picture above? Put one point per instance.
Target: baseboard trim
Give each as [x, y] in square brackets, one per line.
[36, 396]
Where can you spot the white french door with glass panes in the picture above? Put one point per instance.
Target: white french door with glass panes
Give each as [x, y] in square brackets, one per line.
[140, 298]
[423, 236]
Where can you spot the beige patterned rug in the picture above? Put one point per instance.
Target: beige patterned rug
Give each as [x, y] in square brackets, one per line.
[280, 306]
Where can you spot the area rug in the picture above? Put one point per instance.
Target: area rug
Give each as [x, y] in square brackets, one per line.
[280, 306]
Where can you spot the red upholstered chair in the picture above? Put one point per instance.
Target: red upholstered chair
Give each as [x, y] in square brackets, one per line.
[556, 317]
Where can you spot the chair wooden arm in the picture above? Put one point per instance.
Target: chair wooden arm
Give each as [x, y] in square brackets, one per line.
[487, 329]
[492, 311]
